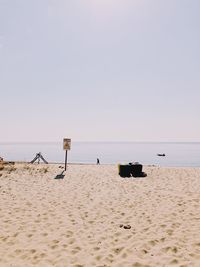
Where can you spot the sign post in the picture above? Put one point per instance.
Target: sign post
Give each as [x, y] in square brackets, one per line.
[66, 147]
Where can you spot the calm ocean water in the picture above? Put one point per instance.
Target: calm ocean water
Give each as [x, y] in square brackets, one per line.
[177, 154]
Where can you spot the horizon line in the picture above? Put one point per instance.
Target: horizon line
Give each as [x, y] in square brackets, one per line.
[78, 141]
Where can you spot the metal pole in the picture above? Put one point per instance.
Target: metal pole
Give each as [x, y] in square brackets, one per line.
[66, 160]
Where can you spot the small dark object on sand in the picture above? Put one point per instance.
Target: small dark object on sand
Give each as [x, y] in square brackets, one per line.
[61, 167]
[127, 226]
[161, 155]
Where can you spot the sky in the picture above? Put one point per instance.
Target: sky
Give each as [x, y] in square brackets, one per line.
[99, 70]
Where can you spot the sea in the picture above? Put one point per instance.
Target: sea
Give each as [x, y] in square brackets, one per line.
[177, 154]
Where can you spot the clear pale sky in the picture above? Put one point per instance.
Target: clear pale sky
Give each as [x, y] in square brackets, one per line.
[107, 70]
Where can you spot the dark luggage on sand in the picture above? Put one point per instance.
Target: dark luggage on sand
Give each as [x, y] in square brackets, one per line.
[125, 170]
[131, 169]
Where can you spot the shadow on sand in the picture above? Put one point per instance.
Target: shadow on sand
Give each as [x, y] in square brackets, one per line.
[60, 176]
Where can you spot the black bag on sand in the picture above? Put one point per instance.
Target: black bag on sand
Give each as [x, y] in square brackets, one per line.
[136, 169]
[125, 170]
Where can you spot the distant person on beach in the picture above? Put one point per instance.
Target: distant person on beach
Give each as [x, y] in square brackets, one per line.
[98, 162]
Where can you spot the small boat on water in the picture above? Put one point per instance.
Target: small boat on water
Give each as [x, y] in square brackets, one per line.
[161, 155]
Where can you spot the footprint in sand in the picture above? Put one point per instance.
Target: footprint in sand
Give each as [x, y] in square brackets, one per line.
[174, 262]
[96, 248]
[118, 250]
[75, 250]
[44, 234]
[55, 241]
[72, 241]
[33, 251]
[54, 247]
[29, 235]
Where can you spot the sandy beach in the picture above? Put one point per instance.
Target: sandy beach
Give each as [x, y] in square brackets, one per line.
[93, 217]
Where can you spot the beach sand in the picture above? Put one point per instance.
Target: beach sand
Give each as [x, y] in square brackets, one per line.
[81, 220]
